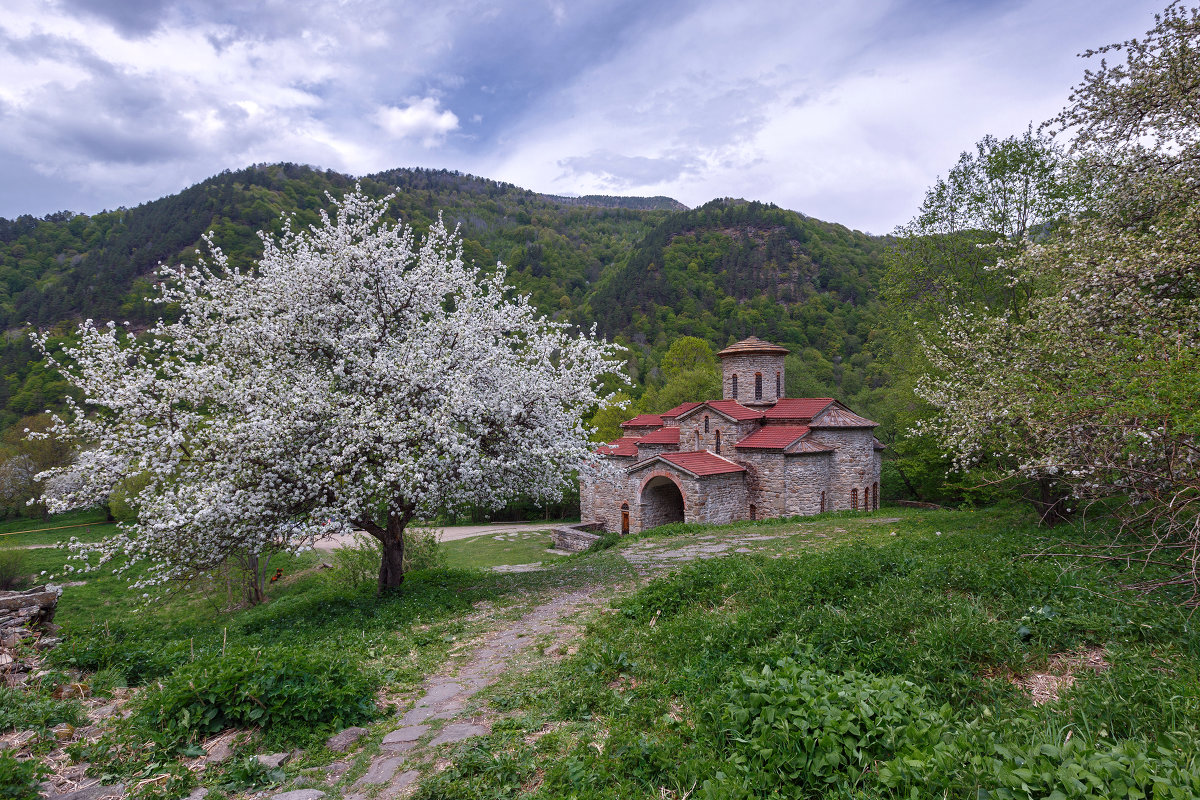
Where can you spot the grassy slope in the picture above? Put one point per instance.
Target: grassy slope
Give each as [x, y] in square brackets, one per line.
[946, 601]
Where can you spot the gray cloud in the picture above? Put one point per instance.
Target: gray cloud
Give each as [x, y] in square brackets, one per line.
[845, 111]
[620, 172]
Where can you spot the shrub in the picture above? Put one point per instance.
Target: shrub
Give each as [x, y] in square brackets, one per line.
[357, 563]
[793, 731]
[286, 689]
[19, 779]
[421, 550]
[12, 569]
[21, 710]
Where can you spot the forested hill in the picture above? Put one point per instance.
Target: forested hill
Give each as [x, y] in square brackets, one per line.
[68, 266]
[733, 268]
[646, 269]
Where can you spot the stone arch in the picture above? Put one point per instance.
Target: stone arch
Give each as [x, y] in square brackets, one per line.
[662, 499]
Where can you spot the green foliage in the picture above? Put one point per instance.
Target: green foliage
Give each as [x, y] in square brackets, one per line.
[893, 672]
[490, 771]
[25, 709]
[13, 569]
[794, 730]
[250, 773]
[19, 779]
[286, 688]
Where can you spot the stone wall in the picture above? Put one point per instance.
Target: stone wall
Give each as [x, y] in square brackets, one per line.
[574, 538]
[602, 492]
[853, 465]
[693, 437]
[807, 478]
[719, 499]
[745, 366]
[765, 481]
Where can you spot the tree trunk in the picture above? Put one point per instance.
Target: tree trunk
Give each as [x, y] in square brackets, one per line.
[391, 567]
[391, 537]
[1050, 501]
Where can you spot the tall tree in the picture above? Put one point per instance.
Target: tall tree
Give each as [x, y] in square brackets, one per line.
[1101, 374]
[954, 256]
[353, 376]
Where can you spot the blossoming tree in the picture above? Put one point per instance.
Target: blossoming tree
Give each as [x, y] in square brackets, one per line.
[357, 375]
[1101, 373]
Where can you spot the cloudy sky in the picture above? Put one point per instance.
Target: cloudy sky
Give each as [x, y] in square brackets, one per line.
[844, 110]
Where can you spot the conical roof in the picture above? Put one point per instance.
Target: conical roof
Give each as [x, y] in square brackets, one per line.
[753, 345]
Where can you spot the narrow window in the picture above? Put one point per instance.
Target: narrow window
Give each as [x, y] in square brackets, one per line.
[778, 385]
[753, 512]
[735, 387]
[706, 423]
[697, 440]
[758, 386]
[875, 495]
[854, 499]
[822, 502]
[624, 519]
[718, 440]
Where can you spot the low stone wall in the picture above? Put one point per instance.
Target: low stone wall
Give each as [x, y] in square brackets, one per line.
[575, 538]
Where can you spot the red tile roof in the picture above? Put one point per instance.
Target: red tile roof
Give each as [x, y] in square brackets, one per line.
[682, 408]
[702, 463]
[799, 409]
[626, 446]
[772, 437]
[661, 436]
[732, 408]
[643, 421]
[838, 417]
[753, 345]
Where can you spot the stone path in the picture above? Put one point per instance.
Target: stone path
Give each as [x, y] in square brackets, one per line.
[445, 697]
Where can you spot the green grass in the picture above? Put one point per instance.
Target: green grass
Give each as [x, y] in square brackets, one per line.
[924, 624]
[927, 619]
[491, 550]
[87, 525]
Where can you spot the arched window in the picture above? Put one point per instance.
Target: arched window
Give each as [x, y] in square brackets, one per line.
[697, 440]
[854, 499]
[822, 502]
[753, 511]
[718, 440]
[624, 519]
[778, 385]
[866, 498]
[706, 423]
[758, 386]
[875, 496]
[734, 387]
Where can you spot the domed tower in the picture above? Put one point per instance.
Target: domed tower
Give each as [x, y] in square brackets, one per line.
[753, 372]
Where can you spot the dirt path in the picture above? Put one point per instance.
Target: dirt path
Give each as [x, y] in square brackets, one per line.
[451, 534]
[439, 715]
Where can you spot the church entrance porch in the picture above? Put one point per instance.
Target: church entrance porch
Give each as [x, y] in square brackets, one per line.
[662, 502]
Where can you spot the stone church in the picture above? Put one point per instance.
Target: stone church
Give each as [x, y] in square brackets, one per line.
[754, 454]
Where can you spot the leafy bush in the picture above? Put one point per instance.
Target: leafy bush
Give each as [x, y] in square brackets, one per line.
[19, 779]
[22, 710]
[357, 563]
[795, 730]
[286, 689]
[12, 569]
[421, 550]
[250, 773]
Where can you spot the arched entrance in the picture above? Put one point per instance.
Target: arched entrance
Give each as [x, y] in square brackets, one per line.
[662, 502]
